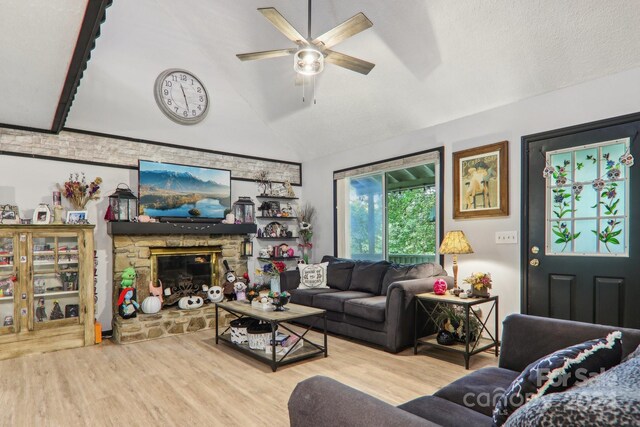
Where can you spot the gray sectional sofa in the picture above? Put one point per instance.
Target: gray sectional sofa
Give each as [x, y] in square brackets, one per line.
[611, 398]
[371, 301]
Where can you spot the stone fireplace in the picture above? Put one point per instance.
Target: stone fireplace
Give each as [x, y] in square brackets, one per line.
[182, 260]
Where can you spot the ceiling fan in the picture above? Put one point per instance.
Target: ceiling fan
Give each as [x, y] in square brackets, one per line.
[311, 54]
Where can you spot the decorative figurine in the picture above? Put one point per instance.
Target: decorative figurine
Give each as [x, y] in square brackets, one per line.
[214, 294]
[41, 314]
[240, 290]
[127, 304]
[128, 277]
[56, 313]
[8, 321]
[230, 280]
[190, 303]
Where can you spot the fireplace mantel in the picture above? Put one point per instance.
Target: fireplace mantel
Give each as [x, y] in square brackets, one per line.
[164, 228]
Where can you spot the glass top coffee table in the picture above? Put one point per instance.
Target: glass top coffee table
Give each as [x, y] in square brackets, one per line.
[276, 320]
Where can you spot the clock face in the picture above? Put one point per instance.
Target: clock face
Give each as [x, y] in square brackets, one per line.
[181, 96]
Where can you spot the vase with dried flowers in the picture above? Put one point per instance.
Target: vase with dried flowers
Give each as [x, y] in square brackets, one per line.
[78, 192]
[480, 284]
[305, 230]
[273, 270]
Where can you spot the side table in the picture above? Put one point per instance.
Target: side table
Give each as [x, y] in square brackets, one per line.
[424, 304]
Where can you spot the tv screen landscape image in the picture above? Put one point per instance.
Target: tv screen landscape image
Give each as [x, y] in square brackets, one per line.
[181, 191]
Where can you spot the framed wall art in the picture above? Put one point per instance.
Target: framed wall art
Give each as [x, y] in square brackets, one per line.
[481, 181]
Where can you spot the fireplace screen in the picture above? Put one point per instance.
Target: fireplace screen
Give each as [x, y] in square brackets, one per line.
[184, 271]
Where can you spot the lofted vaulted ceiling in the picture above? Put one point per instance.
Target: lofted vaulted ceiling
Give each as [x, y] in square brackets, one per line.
[436, 61]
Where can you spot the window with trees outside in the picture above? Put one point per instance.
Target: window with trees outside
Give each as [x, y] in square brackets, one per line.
[390, 214]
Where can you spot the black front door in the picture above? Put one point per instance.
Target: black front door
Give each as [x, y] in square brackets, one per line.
[581, 223]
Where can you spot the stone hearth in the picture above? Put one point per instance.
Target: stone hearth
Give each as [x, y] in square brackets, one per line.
[135, 251]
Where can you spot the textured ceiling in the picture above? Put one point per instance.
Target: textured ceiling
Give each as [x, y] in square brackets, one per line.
[436, 61]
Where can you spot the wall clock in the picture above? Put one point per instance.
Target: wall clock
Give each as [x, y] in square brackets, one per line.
[181, 96]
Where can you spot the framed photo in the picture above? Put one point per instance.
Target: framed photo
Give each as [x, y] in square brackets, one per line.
[77, 217]
[9, 214]
[481, 181]
[42, 214]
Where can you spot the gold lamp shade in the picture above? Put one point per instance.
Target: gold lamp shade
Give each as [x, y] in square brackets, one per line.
[455, 243]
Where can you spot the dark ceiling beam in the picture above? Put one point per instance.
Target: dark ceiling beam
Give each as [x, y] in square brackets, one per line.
[94, 16]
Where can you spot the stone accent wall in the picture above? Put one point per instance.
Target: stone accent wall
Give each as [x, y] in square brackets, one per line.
[122, 152]
[135, 251]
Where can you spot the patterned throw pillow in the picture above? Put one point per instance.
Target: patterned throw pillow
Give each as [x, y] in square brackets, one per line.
[313, 276]
[559, 371]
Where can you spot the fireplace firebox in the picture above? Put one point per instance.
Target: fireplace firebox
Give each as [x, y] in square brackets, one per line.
[184, 271]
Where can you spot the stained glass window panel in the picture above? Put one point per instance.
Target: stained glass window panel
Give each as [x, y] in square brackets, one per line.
[587, 200]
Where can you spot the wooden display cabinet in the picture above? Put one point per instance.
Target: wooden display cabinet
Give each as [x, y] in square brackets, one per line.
[46, 288]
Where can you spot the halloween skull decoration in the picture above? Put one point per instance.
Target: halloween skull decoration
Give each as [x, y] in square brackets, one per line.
[214, 294]
[548, 171]
[577, 189]
[190, 302]
[598, 184]
[613, 174]
[627, 159]
[561, 180]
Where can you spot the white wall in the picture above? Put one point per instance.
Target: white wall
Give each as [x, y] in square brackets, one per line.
[27, 182]
[599, 99]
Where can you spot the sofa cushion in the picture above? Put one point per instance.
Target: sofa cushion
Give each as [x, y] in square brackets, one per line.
[367, 276]
[305, 296]
[338, 272]
[397, 272]
[313, 276]
[479, 390]
[559, 371]
[371, 308]
[611, 398]
[445, 413]
[334, 301]
[365, 323]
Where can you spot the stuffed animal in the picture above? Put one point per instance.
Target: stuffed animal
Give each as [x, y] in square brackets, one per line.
[127, 304]
[190, 302]
[229, 282]
[155, 290]
[214, 294]
[128, 277]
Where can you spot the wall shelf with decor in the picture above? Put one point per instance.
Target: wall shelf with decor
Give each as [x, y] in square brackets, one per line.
[277, 217]
[278, 238]
[279, 258]
[276, 197]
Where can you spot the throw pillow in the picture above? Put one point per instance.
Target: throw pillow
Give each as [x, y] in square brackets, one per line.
[313, 276]
[609, 399]
[559, 371]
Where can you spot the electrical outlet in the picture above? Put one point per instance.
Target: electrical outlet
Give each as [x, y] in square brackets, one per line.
[506, 237]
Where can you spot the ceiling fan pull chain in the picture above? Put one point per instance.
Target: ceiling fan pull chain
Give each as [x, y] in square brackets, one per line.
[314, 90]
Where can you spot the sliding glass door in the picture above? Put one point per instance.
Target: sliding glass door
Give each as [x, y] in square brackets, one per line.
[390, 214]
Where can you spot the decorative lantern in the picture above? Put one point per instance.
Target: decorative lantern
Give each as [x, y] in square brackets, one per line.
[123, 205]
[247, 247]
[244, 210]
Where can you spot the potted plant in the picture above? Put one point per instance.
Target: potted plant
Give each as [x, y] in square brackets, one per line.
[450, 321]
[480, 284]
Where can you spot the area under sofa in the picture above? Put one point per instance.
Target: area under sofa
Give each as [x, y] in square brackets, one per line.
[469, 401]
[372, 301]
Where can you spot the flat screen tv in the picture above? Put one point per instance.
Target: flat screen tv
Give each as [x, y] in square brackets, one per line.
[179, 191]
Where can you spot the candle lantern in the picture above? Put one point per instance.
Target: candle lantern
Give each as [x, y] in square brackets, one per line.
[123, 204]
[244, 210]
[246, 249]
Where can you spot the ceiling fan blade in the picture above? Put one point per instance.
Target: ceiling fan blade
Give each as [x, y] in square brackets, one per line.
[348, 62]
[265, 54]
[348, 28]
[283, 25]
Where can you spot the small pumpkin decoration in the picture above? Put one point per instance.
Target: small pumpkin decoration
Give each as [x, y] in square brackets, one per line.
[190, 302]
[151, 304]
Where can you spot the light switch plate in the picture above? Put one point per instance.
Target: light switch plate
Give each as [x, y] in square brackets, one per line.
[506, 237]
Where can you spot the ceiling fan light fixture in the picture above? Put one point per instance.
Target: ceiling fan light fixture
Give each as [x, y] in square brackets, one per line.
[308, 61]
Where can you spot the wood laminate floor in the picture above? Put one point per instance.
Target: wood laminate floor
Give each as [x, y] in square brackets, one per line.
[188, 380]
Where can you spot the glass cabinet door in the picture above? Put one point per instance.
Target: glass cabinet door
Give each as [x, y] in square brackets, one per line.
[7, 284]
[55, 280]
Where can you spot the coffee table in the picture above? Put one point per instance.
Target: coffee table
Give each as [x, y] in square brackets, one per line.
[276, 319]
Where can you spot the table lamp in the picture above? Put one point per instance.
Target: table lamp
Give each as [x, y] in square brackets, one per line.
[455, 243]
